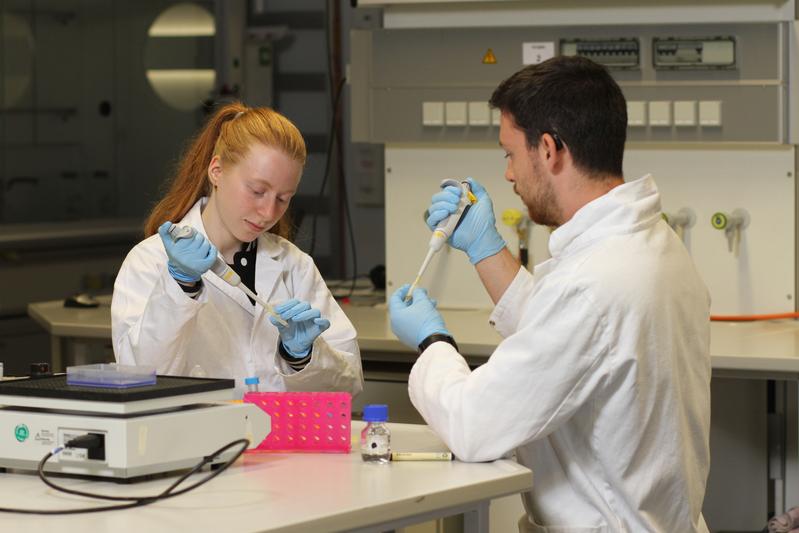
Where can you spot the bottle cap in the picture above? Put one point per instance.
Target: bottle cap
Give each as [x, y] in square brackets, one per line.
[252, 380]
[375, 413]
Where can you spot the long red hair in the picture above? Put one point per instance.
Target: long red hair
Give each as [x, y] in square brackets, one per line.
[229, 133]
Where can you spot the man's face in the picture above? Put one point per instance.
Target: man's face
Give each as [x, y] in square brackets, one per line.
[526, 172]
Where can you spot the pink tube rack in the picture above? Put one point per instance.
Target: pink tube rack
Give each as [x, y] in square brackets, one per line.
[316, 422]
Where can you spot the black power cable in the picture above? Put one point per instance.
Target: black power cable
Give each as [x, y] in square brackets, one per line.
[348, 213]
[134, 501]
[331, 139]
[333, 106]
[336, 112]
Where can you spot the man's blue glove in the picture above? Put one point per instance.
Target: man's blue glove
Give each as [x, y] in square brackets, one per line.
[477, 234]
[304, 325]
[414, 321]
[190, 257]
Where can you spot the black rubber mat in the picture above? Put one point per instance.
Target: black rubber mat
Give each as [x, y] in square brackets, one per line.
[165, 386]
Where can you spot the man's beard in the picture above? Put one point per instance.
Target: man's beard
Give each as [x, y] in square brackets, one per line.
[543, 209]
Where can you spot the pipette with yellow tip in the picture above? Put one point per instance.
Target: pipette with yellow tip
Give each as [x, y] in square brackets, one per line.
[446, 227]
[223, 270]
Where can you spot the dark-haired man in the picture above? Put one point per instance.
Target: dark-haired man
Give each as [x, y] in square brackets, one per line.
[602, 382]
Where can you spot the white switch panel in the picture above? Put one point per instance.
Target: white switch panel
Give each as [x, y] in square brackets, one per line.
[433, 113]
[455, 113]
[479, 114]
[636, 113]
[685, 113]
[660, 113]
[710, 113]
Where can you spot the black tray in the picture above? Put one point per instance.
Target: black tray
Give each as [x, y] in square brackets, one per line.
[165, 386]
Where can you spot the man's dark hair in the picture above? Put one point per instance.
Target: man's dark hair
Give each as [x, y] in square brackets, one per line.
[579, 101]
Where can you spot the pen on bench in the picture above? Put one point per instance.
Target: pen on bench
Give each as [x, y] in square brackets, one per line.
[421, 456]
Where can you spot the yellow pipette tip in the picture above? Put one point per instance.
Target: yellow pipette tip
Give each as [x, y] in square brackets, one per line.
[271, 312]
[278, 318]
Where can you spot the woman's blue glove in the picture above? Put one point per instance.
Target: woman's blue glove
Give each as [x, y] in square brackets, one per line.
[477, 234]
[304, 325]
[414, 321]
[190, 257]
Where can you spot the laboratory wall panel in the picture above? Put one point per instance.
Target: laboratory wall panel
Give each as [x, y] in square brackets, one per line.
[707, 180]
[760, 181]
[400, 75]
[481, 13]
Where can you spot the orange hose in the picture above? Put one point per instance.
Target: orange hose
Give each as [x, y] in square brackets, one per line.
[751, 318]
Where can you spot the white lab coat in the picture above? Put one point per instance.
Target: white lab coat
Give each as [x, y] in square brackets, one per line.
[602, 381]
[155, 323]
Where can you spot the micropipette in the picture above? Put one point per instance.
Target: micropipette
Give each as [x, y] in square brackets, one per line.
[446, 227]
[223, 270]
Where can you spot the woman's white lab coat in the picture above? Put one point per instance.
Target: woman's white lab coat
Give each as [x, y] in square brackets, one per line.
[602, 382]
[155, 323]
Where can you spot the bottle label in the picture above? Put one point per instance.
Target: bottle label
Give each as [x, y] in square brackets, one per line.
[376, 445]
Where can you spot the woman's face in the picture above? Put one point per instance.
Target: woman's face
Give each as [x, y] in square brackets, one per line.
[253, 194]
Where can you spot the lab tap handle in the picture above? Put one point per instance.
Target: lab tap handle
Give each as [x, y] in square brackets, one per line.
[732, 224]
[521, 224]
[739, 218]
[684, 218]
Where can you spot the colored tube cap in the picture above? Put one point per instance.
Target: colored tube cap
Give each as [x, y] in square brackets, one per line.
[375, 413]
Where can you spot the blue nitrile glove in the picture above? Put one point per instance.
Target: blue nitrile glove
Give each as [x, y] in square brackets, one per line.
[477, 234]
[414, 321]
[190, 257]
[304, 325]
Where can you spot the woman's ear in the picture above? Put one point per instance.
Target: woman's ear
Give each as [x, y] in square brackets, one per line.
[215, 170]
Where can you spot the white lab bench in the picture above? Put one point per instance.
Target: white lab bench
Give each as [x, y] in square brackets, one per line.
[766, 350]
[288, 493]
[749, 446]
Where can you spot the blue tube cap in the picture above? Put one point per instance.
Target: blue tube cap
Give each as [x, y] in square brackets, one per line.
[375, 413]
[252, 380]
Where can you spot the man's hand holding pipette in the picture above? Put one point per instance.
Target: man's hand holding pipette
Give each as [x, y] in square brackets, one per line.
[414, 321]
[477, 234]
[304, 324]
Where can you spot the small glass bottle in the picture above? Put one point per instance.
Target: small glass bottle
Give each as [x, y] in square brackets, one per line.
[376, 437]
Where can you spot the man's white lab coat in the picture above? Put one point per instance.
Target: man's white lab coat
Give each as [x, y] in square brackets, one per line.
[155, 323]
[602, 381]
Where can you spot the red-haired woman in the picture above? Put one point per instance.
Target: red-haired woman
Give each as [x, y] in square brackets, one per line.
[233, 186]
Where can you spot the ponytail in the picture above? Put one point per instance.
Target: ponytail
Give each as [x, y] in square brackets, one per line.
[190, 182]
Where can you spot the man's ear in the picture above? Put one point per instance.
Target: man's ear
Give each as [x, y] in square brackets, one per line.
[553, 153]
[551, 144]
